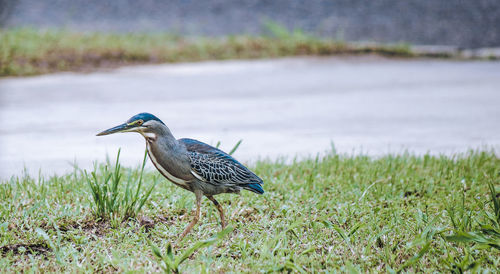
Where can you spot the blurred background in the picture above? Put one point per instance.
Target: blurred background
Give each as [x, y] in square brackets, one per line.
[289, 78]
[459, 23]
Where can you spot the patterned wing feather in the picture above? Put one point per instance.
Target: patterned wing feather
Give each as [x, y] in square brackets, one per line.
[216, 167]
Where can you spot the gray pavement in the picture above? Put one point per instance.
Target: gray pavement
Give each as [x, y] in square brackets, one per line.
[285, 107]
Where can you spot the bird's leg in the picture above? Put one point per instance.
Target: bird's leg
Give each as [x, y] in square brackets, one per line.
[196, 216]
[221, 211]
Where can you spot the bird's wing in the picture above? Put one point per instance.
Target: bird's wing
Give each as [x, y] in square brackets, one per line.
[214, 166]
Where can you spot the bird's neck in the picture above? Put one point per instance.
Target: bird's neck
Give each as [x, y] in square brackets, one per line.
[169, 156]
[165, 136]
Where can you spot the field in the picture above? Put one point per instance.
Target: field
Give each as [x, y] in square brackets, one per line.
[29, 51]
[348, 213]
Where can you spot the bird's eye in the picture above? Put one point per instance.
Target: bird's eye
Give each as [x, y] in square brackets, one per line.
[139, 122]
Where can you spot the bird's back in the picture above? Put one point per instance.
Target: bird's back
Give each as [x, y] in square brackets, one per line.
[215, 167]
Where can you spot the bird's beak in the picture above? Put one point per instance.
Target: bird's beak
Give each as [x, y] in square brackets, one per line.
[120, 128]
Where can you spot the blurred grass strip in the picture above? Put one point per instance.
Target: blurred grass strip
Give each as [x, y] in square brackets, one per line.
[27, 51]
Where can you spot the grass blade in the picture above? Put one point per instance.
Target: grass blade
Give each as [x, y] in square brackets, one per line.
[233, 150]
[201, 244]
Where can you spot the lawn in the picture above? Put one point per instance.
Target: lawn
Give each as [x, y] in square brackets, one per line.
[347, 213]
[31, 51]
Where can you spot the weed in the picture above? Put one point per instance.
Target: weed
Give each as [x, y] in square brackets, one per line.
[111, 203]
[487, 235]
[171, 262]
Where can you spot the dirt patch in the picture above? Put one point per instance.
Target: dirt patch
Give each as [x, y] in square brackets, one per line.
[149, 223]
[411, 193]
[91, 226]
[146, 223]
[16, 249]
[99, 228]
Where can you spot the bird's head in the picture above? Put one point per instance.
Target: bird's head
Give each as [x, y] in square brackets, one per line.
[144, 123]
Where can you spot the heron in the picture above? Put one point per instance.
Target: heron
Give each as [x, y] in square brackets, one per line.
[191, 164]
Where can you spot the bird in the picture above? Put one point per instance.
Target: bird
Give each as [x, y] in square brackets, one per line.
[190, 164]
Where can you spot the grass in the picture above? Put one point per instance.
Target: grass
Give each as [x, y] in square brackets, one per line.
[112, 204]
[28, 51]
[171, 263]
[326, 214]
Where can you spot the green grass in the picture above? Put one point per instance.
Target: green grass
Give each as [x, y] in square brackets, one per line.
[30, 51]
[111, 203]
[333, 213]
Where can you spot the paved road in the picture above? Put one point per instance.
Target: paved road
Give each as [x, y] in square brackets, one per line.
[284, 107]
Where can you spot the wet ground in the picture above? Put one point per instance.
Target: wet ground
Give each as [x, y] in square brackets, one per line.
[286, 107]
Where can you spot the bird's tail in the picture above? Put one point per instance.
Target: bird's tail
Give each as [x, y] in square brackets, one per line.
[257, 188]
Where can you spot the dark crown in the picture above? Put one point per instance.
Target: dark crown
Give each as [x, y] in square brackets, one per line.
[144, 117]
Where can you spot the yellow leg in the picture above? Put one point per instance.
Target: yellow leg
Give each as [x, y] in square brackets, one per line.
[196, 216]
[221, 211]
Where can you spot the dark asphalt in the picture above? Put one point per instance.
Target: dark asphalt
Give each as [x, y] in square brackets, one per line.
[469, 23]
